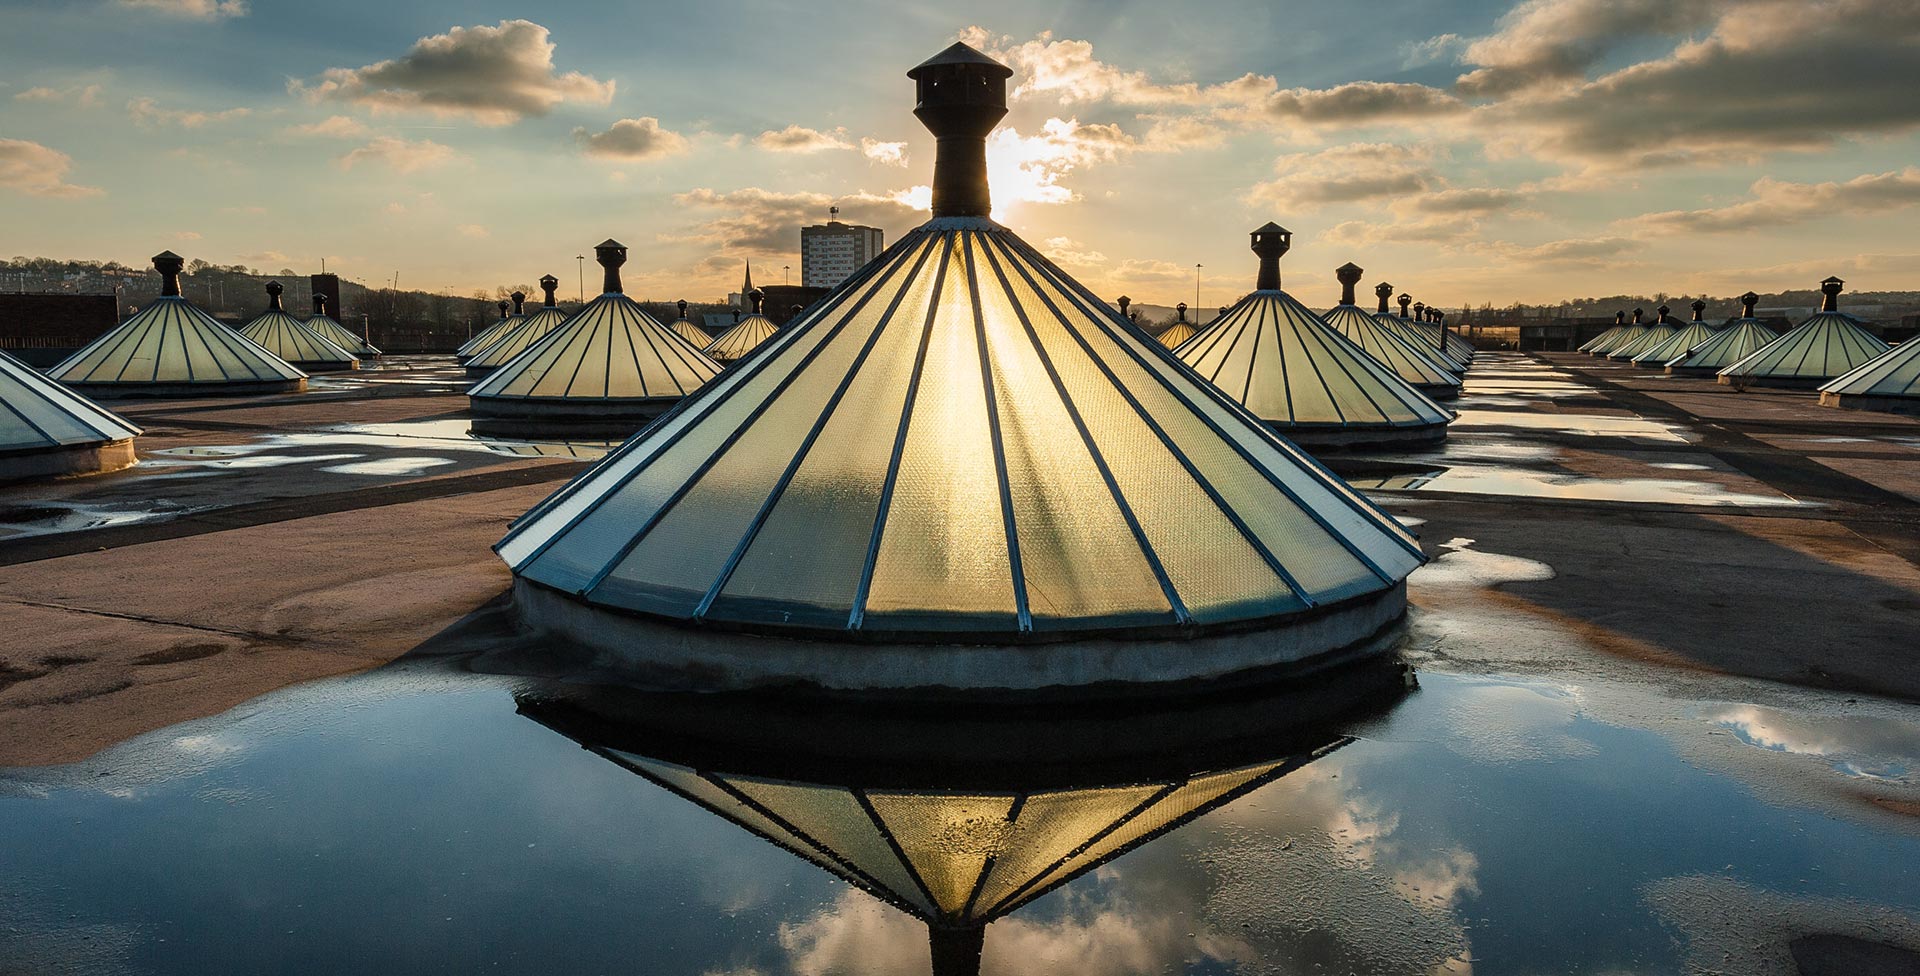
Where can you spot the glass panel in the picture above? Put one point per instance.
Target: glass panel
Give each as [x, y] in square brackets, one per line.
[1170, 809]
[1050, 826]
[683, 555]
[943, 555]
[948, 838]
[805, 564]
[835, 818]
[1079, 556]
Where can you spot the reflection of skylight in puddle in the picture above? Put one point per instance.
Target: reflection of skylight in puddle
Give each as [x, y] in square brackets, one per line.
[1527, 483]
[1591, 425]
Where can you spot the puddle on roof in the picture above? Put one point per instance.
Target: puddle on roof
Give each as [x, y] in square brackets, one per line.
[1591, 425]
[396, 821]
[51, 517]
[1527, 482]
[392, 467]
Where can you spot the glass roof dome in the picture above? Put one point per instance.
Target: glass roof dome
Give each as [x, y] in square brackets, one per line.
[1696, 332]
[1890, 381]
[1418, 336]
[1828, 344]
[1663, 328]
[1622, 335]
[1179, 332]
[286, 337]
[172, 348]
[47, 430]
[329, 328]
[520, 332]
[1419, 366]
[1273, 356]
[959, 444]
[1595, 344]
[685, 329]
[489, 335]
[746, 335]
[609, 361]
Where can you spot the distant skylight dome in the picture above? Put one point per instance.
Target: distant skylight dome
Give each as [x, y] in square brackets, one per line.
[960, 469]
[172, 348]
[609, 364]
[1420, 366]
[290, 339]
[1179, 332]
[685, 329]
[1697, 331]
[1829, 344]
[746, 334]
[1283, 364]
[520, 332]
[1663, 328]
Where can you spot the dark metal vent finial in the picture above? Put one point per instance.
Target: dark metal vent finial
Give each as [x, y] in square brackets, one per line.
[611, 254]
[549, 284]
[169, 265]
[961, 95]
[1270, 241]
[274, 289]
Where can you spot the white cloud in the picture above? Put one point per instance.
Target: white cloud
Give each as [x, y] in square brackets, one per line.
[35, 170]
[889, 153]
[148, 114]
[191, 9]
[1776, 203]
[492, 75]
[632, 139]
[332, 127]
[1068, 252]
[800, 139]
[402, 155]
[474, 230]
[1542, 41]
[79, 96]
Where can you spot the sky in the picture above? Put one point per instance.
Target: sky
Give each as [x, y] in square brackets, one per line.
[1468, 152]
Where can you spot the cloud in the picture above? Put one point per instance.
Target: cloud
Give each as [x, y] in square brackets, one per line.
[35, 170]
[754, 221]
[1067, 71]
[800, 139]
[402, 155]
[1468, 200]
[1029, 168]
[186, 235]
[1445, 47]
[1776, 203]
[492, 75]
[474, 231]
[1421, 230]
[889, 153]
[147, 114]
[79, 96]
[1771, 75]
[632, 139]
[332, 127]
[1592, 251]
[1068, 252]
[191, 9]
[1355, 173]
[1542, 41]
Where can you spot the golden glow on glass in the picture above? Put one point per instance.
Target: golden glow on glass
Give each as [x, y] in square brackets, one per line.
[1418, 365]
[609, 350]
[961, 439]
[340, 335]
[515, 338]
[1823, 347]
[1727, 346]
[745, 336]
[1895, 373]
[286, 337]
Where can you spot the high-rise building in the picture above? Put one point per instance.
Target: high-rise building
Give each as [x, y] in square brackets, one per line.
[832, 251]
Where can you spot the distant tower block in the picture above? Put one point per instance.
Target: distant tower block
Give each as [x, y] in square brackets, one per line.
[831, 252]
[960, 475]
[1289, 368]
[171, 348]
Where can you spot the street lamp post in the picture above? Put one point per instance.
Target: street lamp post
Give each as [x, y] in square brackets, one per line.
[580, 265]
[1196, 287]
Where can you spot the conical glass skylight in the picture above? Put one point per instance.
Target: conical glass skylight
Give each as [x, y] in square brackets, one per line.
[1623, 336]
[1676, 345]
[1273, 356]
[746, 334]
[1410, 332]
[172, 348]
[685, 329]
[48, 430]
[290, 339]
[1663, 328]
[1417, 366]
[489, 335]
[610, 359]
[1596, 344]
[1179, 332]
[1827, 345]
[325, 325]
[520, 332]
[959, 442]
[1890, 381]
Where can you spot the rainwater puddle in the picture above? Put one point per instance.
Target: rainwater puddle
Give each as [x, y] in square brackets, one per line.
[392, 467]
[1587, 424]
[423, 818]
[456, 433]
[47, 518]
[1488, 480]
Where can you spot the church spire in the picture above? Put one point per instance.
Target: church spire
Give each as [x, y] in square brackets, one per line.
[746, 284]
